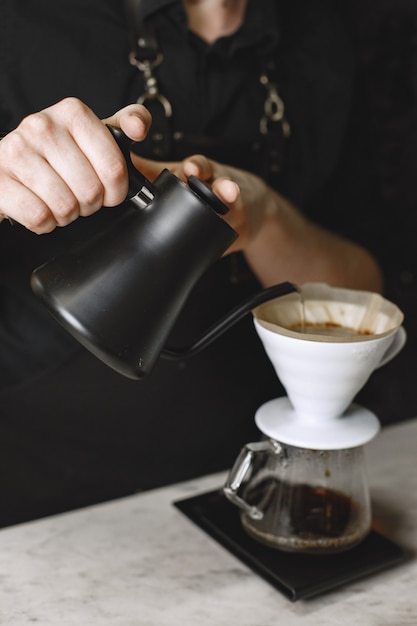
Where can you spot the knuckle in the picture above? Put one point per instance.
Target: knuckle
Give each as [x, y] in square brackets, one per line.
[116, 172]
[72, 108]
[43, 123]
[36, 125]
[39, 221]
[114, 179]
[12, 147]
[65, 208]
[93, 196]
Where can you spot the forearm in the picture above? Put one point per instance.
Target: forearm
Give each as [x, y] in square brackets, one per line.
[288, 247]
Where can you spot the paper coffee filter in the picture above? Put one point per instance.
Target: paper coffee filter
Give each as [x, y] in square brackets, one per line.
[318, 303]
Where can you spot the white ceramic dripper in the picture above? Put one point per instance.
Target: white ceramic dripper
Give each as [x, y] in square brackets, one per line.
[322, 373]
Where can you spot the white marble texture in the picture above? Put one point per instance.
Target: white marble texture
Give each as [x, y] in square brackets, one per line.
[139, 561]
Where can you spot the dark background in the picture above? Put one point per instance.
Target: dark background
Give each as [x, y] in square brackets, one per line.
[374, 191]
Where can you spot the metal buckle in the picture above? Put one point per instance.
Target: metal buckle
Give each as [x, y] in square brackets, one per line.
[274, 108]
[151, 84]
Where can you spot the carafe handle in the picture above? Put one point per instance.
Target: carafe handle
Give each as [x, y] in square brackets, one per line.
[241, 469]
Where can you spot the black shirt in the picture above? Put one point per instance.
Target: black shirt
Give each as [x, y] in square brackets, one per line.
[72, 431]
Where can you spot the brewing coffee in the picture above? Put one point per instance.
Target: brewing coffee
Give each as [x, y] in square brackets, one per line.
[305, 518]
[303, 487]
[328, 328]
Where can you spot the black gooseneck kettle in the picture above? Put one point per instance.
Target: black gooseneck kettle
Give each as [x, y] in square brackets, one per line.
[120, 292]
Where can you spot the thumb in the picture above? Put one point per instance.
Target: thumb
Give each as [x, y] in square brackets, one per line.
[134, 120]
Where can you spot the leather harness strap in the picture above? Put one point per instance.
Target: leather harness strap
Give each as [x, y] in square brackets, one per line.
[145, 55]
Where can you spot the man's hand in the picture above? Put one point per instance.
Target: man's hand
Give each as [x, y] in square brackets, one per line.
[62, 163]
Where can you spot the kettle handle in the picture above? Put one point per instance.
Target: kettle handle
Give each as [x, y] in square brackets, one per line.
[228, 320]
[136, 180]
[142, 191]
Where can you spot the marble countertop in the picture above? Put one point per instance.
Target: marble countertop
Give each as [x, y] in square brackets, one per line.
[138, 561]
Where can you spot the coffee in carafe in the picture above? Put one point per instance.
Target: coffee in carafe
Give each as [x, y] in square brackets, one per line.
[300, 500]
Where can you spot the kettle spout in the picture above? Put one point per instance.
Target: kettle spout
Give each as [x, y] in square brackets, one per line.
[229, 319]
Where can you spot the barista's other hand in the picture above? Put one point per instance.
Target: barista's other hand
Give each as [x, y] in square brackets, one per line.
[243, 192]
[248, 209]
[278, 241]
[200, 166]
[62, 162]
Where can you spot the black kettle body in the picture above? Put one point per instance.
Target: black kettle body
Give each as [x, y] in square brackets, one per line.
[120, 293]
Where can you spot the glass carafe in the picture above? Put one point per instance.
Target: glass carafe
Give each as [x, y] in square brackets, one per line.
[301, 500]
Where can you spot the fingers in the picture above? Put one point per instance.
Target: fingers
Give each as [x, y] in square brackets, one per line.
[26, 208]
[62, 163]
[208, 170]
[199, 166]
[196, 165]
[226, 189]
[33, 192]
[134, 120]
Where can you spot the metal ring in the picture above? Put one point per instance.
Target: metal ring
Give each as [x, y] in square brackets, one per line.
[157, 96]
